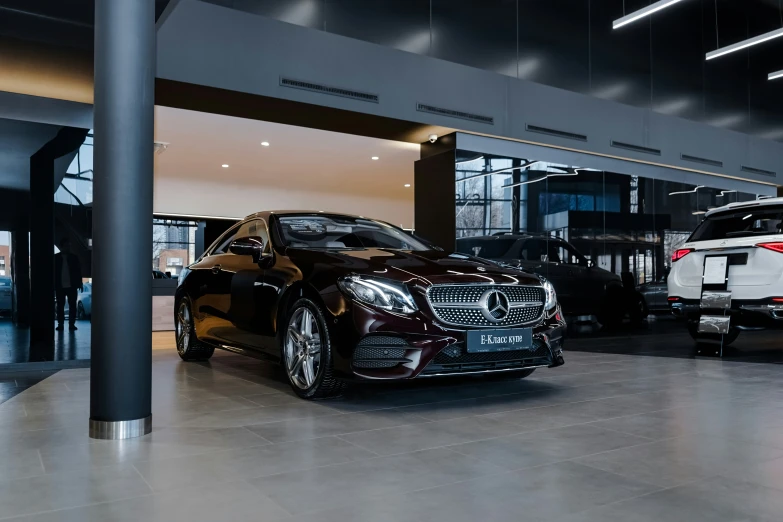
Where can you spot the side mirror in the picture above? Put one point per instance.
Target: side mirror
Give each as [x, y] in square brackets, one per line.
[248, 246]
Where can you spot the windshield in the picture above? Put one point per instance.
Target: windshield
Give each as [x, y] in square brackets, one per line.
[494, 248]
[342, 232]
[758, 221]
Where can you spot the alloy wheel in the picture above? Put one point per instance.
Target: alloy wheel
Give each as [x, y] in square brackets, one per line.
[183, 327]
[302, 348]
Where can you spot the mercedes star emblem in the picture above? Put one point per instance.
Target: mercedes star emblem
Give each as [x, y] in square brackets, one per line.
[495, 306]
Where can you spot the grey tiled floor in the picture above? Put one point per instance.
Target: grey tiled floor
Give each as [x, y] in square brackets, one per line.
[604, 438]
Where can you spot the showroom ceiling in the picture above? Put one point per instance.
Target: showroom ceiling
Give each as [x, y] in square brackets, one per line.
[199, 144]
[658, 62]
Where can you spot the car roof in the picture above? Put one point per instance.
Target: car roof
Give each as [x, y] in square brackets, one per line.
[510, 236]
[746, 204]
[266, 213]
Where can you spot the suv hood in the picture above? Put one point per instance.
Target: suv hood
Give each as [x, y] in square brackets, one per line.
[429, 266]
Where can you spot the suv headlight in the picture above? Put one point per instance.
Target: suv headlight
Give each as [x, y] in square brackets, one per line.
[551, 296]
[381, 293]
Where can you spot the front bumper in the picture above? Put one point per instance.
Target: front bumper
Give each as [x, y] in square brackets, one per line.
[375, 345]
[745, 314]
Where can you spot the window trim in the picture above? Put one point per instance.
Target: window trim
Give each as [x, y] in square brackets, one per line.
[219, 241]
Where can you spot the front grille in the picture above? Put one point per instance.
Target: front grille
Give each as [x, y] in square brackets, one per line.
[380, 351]
[455, 359]
[474, 317]
[460, 305]
[449, 294]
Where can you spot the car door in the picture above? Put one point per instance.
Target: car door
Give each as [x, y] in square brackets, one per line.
[247, 307]
[208, 287]
[660, 294]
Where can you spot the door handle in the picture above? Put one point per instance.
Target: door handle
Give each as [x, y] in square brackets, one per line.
[216, 269]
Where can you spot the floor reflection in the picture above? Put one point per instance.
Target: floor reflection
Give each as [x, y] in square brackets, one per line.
[68, 346]
[663, 335]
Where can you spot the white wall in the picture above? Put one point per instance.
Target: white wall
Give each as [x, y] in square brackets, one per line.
[197, 197]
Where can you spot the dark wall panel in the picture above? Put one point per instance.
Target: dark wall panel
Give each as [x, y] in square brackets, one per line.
[554, 43]
[479, 33]
[620, 59]
[677, 54]
[401, 24]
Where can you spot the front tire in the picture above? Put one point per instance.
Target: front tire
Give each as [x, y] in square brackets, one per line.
[189, 347]
[307, 353]
[80, 311]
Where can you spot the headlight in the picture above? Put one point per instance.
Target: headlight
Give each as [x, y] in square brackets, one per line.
[384, 294]
[551, 297]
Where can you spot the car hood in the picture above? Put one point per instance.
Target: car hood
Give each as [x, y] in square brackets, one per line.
[428, 267]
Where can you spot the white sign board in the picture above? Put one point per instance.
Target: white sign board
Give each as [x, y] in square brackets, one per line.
[715, 270]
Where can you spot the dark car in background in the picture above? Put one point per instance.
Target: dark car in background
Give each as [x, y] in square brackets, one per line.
[655, 294]
[582, 288]
[336, 297]
[6, 290]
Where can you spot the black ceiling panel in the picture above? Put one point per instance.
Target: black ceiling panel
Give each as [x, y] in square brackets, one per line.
[657, 62]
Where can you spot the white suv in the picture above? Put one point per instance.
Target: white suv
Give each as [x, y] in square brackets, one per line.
[751, 234]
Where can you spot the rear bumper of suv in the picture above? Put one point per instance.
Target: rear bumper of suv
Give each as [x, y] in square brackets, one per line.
[745, 314]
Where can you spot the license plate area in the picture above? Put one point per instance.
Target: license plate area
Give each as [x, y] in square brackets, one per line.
[499, 340]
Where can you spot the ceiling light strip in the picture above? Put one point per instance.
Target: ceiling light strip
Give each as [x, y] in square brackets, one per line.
[745, 44]
[775, 75]
[641, 13]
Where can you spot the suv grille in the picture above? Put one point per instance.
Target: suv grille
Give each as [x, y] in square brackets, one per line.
[460, 305]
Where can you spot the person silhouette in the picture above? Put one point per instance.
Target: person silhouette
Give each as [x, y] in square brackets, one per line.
[67, 282]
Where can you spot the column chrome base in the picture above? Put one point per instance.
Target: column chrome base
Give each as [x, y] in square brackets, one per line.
[118, 430]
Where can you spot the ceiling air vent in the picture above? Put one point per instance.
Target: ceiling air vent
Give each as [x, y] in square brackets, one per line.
[555, 132]
[423, 107]
[325, 89]
[706, 161]
[635, 148]
[762, 172]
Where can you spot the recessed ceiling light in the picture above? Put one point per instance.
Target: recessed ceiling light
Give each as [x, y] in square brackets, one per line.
[407, 185]
[225, 165]
[264, 143]
[375, 158]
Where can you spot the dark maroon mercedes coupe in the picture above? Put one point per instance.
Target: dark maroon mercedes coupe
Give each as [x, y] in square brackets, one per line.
[335, 298]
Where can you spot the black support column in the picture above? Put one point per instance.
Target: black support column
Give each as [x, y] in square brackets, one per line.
[434, 197]
[120, 381]
[42, 240]
[20, 268]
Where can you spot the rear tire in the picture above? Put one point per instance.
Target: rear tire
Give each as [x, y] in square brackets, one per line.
[189, 347]
[716, 338]
[306, 352]
[638, 310]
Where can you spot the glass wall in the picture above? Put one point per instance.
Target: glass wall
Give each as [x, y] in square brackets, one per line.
[76, 186]
[584, 229]
[173, 246]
